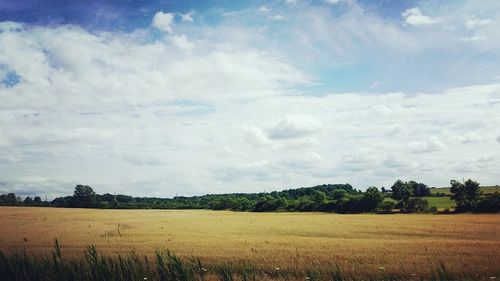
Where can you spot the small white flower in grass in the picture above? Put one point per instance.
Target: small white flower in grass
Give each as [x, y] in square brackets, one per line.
[381, 268]
[308, 278]
[277, 268]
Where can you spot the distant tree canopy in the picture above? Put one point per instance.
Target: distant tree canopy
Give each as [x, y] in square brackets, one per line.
[339, 198]
[466, 195]
[407, 192]
[10, 199]
[84, 197]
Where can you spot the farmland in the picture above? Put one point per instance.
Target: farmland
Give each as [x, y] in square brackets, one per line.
[484, 189]
[443, 202]
[293, 242]
[440, 202]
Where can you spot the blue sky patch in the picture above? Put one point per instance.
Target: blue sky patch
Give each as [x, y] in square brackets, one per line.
[11, 79]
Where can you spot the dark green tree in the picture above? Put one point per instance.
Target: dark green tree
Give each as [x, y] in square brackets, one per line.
[371, 199]
[489, 204]
[339, 194]
[466, 195]
[418, 205]
[11, 199]
[385, 207]
[319, 198]
[418, 189]
[401, 191]
[84, 197]
[28, 200]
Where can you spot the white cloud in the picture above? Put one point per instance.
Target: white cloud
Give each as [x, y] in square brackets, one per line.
[163, 21]
[430, 145]
[359, 157]
[277, 17]
[257, 164]
[332, 1]
[471, 137]
[143, 158]
[10, 26]
[264, 9]
[187, 17]
[415, 17]
[471, 39]
[392, 161]
[475, 22]
[485, 159]
[294, 126]
[182, 42]
[131, 113]
[117, 96]
[257, 137]
[304, 160]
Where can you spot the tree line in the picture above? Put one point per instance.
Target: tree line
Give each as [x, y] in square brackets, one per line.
[10, 199]
[405, 197]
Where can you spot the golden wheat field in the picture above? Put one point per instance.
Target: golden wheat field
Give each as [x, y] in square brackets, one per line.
[360, 244]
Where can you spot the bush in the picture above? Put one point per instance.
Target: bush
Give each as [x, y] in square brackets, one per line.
[417, 205]
[386, 207]
[489, 204]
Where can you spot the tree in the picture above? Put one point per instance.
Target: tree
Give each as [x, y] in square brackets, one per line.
[319, 198]
[84, 197]
[401, 191]
[37, 200]
[418, 189]
[466, 195]
[386, 206]
[371, 199]
[63, 201]
[489, 204]
[28, 200]
[338, 194]
[472, 193]
[418, 205]
[11, 199]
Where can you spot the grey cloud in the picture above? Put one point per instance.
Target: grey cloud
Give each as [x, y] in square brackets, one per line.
[293, 127]
[430, 145]
[306, 160]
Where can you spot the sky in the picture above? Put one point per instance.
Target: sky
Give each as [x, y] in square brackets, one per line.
[165, 98]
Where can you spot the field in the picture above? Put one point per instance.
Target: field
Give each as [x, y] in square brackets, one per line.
[446, 202]
[484, 189]
[362, 245]
[440, 202]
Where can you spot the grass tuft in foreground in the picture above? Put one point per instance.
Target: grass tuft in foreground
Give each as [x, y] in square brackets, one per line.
[20, 266]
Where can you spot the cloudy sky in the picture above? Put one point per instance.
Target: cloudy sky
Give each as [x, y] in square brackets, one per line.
[165, 97]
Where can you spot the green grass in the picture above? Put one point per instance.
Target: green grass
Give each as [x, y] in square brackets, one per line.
[440, 202]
